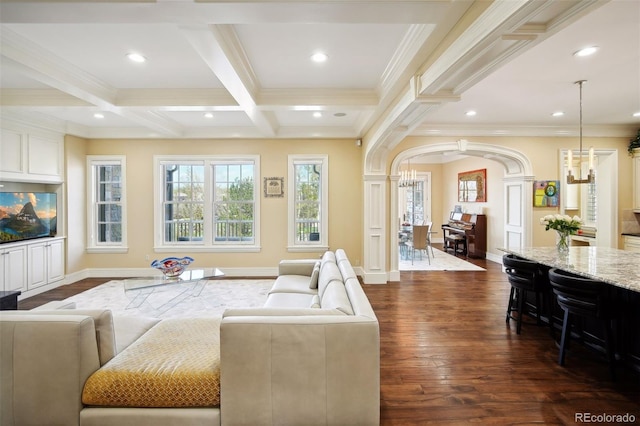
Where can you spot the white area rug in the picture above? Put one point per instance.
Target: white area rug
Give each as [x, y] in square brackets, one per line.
[440, 261]
[208, 299]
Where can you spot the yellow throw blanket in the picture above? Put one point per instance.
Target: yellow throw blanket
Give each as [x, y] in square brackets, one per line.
[175, 364]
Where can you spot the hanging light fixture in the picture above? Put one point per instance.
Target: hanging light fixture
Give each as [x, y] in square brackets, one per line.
[591, 177]
[407, 177]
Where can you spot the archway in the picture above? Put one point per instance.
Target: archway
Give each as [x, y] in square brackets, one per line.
[517, 182]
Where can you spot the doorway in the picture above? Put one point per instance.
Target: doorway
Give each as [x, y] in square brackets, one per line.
[518, 189]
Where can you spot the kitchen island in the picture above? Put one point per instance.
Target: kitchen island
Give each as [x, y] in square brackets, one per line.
[620, 269]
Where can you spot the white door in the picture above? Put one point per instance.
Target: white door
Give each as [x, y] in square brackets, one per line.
[514, 193]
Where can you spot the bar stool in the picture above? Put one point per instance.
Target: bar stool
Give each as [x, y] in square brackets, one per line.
[587, 298]
[524, 276]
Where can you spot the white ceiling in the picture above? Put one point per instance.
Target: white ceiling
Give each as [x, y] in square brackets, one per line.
[395, 68]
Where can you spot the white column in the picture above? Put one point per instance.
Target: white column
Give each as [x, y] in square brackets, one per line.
[375, 229]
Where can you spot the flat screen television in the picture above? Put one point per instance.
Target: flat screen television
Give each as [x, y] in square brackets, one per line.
[27, 215]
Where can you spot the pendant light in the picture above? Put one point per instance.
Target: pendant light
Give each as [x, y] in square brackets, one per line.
[591, 177]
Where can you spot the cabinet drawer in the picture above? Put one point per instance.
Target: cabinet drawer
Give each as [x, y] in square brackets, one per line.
[632, 243]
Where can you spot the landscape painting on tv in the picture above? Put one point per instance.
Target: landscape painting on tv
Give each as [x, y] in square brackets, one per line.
[27, 215]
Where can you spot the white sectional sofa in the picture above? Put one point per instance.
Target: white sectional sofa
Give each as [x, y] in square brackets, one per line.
[310, 356]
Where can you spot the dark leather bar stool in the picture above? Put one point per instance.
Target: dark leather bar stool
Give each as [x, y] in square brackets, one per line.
[525, 276]
[583, 297]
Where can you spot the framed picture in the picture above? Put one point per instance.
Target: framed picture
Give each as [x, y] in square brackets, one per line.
[546, 193]
[472, 186]
[274, 187]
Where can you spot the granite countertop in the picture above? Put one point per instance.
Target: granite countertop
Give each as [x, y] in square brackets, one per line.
[617, 267]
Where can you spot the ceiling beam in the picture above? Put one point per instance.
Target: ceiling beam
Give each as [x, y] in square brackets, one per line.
[45, 67]
[219, 48]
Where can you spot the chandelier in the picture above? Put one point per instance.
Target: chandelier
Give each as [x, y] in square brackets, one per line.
[591, 177]
[407, 177]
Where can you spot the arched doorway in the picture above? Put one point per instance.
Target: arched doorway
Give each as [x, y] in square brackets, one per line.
[517, 181]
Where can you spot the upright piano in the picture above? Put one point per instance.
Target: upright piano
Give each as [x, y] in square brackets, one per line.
[468, 229]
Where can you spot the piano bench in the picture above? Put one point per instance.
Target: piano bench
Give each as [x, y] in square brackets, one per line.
[455, 242]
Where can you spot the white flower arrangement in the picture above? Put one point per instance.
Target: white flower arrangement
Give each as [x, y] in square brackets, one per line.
[562, 223]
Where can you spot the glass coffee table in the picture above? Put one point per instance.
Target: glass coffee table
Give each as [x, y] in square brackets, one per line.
[165, 293]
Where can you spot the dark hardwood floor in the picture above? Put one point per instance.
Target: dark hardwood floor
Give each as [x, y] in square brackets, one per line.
[448, 357]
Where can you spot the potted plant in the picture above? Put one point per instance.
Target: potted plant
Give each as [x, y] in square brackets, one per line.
[634, 143]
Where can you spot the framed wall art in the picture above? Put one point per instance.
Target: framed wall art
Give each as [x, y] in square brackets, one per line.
[274, 187]
[472, 186]
[546, 193]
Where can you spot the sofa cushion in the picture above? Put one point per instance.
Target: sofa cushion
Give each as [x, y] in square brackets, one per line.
[288, 300]
[128, 329]
[292, 284]
[335, 297]
[315, 302]
[175, 364]
[329, 272]
[315, 274]
[328, 256]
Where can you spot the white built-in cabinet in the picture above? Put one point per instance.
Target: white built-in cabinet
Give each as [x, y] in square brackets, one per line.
[45, 263]
[31, 156]
[13, 268]
[29, 265]
[636, 181]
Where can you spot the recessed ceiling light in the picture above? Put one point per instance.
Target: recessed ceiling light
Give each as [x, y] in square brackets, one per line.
[636, 114]
[317, 114]
[470, 113]
[558, 114]
[98, 115]
[136, 57]
[319, 57]
[339, 114]
[586, 51]
[208, 115]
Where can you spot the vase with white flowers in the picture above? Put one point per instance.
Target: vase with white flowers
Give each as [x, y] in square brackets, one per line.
[564, 225]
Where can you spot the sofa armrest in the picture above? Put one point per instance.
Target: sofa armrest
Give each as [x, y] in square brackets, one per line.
[296, 267]
[300, 370]
[44, 363]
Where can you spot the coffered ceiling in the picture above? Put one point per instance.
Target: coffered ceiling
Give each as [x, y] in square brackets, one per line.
[394, 68]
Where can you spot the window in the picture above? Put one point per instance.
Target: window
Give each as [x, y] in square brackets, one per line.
[107, 208]
[207, 203]
[308, 203]
[183, 203]
[234, 201]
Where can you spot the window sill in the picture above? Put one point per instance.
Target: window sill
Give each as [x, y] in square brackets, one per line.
[208, 249]
[308, 248]
[104, 250]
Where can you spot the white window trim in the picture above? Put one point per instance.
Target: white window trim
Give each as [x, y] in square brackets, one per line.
[323, 244]
[93, 246]
[208, 161]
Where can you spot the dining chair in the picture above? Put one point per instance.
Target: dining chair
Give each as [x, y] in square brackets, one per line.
[420, 235]
[429, 232]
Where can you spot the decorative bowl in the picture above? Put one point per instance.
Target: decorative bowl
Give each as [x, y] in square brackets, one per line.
[172, 267]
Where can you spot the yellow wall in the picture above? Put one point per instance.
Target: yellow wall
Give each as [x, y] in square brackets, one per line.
[345, 198]
[345, 192]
